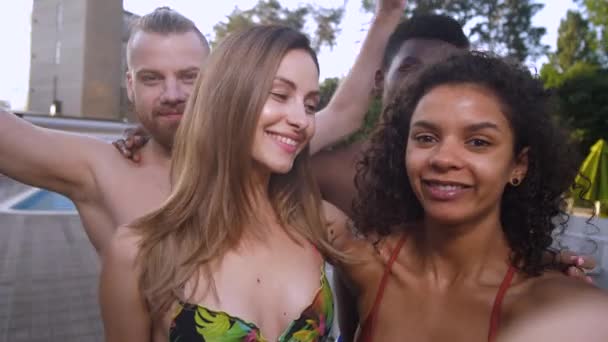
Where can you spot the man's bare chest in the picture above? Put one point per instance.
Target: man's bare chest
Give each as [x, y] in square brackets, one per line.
[130, 195]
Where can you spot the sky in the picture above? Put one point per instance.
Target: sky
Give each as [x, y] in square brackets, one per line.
[15, 30]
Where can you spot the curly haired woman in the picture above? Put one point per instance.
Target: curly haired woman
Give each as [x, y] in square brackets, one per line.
[461, 192]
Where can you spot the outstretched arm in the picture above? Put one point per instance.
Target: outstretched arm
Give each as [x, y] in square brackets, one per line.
[561, 310]
[346, 110]
[45, 158]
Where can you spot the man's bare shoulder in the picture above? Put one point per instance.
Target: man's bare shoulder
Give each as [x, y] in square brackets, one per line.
[104, 151]
[106, 164]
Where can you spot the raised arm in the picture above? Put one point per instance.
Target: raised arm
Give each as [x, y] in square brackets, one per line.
[45, 158]
[346, 110]
[123, 308]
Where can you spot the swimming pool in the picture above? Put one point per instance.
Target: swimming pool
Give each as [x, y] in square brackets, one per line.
[44, 200]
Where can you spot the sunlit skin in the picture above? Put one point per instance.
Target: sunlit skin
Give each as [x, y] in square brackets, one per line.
[162, 71]
[286, 123]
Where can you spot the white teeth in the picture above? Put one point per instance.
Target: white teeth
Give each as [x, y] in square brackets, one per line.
[448, 187]
[283, 139]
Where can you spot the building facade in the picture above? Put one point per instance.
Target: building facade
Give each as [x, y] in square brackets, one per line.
[78, 58]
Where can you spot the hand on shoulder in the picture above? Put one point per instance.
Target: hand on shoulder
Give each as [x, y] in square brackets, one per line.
[336, 223]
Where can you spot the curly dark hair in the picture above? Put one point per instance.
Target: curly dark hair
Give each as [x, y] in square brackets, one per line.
[530, 212]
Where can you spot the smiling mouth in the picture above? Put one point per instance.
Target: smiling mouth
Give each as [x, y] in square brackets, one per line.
[444, 191]
[446, 186]
[283, 139]
[289, 145]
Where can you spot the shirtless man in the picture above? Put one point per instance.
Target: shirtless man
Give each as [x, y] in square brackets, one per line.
[163, 62]
[164, 55]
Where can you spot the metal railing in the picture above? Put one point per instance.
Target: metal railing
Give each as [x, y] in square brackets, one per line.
[101, 128]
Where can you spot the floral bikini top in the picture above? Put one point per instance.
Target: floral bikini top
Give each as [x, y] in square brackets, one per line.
[195, 323]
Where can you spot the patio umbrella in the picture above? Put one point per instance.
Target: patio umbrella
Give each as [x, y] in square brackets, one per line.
[594, 173]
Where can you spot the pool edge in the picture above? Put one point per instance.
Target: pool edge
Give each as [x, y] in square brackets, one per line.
[6, 205]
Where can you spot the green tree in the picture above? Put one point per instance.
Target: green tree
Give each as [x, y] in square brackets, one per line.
[576, 42]
[584, 103]
[579, 80]
[327, 20]
[582, 93]
[502, 26]
[597, 14]
[327, 89]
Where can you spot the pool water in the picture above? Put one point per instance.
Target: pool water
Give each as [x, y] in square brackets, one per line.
[46, 201]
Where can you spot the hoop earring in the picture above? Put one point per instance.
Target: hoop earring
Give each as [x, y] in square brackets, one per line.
[515, 181]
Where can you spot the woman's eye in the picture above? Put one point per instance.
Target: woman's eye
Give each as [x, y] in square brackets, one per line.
[311, 109]
[424, 139]
[279, 96]
[479, 143]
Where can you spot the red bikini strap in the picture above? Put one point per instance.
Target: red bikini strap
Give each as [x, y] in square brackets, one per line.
[496, 308]
[368, 325]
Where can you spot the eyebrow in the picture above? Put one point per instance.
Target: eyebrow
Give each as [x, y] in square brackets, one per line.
[188, 70]
[152, 71]
[146, 71]
[293, 86]
[284, 80]
[481, 126]
[425, 124]
[471, 128]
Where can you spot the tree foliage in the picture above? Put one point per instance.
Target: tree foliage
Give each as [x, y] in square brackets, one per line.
[578, 73]
[576, 42]
[583, 103]
[327, 89]
[502, 26]
[597, 14]
[326, 20]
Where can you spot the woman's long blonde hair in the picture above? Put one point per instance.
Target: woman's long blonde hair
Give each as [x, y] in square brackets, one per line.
[211, 199]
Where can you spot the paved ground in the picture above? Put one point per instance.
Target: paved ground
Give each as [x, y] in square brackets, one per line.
[48, 280]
